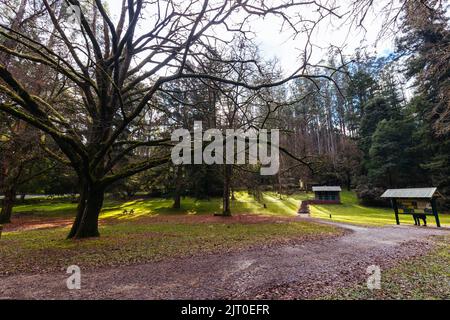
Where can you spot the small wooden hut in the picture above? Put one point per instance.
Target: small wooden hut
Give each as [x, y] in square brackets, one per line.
[327, 195]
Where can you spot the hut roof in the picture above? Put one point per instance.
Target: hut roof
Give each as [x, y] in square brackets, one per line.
[426, 193]
[327, 188]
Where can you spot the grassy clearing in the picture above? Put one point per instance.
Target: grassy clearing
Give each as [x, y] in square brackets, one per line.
[352, 212]
[422, 278]
[133, 242]
[349, 212]
[244, 203]
[47, 208]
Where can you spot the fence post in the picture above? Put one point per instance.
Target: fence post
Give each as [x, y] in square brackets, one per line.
[394, 204]
[436, 215]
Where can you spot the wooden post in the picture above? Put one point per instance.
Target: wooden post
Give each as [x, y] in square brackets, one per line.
[394, 205]
[436, 215]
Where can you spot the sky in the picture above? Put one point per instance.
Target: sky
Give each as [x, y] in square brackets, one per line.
[276, 44]
[279, 44]
[331, 32]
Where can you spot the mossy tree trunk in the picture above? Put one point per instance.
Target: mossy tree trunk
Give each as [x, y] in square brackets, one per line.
[7, 206]
[88, 211]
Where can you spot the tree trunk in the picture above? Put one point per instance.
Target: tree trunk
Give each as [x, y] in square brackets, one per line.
[178, 186]
[80, 209]
[89, 206]
[15, 26]
[349, 181]
[226, 191]
[280, 187]
[7, 206]
[176, 201]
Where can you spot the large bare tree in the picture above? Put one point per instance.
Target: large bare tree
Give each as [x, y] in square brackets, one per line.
[108, 69]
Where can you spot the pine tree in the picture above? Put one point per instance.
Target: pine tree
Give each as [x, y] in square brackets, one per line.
[426, 44]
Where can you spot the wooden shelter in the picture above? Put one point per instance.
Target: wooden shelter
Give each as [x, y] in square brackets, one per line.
[327, 195]
[414, 202]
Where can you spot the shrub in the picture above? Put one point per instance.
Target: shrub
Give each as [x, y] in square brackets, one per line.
[370, 195]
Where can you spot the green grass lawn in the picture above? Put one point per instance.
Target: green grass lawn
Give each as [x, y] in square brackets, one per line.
[244, 203]
[350, 211]
[47, 208]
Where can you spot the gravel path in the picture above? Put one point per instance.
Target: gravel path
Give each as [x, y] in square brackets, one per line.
[288, 271]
